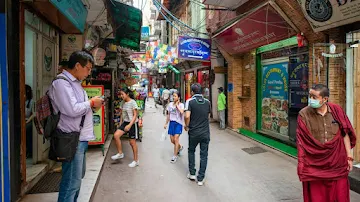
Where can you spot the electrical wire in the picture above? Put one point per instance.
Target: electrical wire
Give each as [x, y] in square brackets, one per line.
[167, 19]
[175, 18]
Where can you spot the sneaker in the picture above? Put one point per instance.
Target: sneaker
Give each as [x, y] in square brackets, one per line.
[180, 150]
[191, 177]
[201, 183]
[117, 156]
[173, 159]
[134, 164]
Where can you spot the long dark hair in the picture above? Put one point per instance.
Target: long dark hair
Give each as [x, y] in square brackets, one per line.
[178, 94]
[28, 94]
[128, 92]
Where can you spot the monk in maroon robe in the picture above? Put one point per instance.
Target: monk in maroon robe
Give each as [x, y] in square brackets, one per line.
[325, 137]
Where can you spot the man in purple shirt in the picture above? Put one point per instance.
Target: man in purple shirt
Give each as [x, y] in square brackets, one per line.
[71, 100]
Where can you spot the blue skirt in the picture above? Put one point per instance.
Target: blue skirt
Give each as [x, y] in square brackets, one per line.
[175, 128]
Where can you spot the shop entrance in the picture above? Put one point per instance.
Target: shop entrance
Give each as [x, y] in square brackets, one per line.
[353, 83]
[282, 91]
[40, 70]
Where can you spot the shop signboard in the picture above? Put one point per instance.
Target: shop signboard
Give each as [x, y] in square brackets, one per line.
[74, 11]
[263, 26]
[145, 33]
[190, 48]
[99, 116]
[69, 44]
[324, 15]
[298, 84]
[275, 98]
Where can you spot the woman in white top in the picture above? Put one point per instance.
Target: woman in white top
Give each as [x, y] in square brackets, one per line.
[175, 116]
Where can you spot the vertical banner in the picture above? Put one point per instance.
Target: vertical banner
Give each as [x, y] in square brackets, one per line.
[299, 85]
[275, 98]
[4, 110]
[98, 117]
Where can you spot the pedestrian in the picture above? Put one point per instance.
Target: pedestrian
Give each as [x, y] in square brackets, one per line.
[221, 104]
[325, 137]
[156, 94]
[175, 116]
[197, 113]
[129, 125]
[70, 99]
[165, 99]
[29, 117]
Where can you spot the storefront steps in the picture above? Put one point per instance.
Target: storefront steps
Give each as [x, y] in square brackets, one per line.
[354, 176]
[94, 164]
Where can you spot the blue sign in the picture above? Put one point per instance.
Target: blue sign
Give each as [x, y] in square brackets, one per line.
[299, 84]
[275, 104]
[194, 48]
[74, 11]
[275, 81]
[145, 33]
[230, 87]
[4, 98]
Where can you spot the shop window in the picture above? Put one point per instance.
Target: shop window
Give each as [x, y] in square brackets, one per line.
[329, 68]
[32, 20]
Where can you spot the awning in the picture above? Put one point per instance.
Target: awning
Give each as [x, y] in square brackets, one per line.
[263, 25]
[233, 4]
[172, 68]
[126, 23]
[69, 16]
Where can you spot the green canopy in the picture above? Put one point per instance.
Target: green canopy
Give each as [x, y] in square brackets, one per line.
[126, 22]
[172, 68]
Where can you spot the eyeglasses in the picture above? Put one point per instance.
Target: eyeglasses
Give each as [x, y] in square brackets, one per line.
[88, 67]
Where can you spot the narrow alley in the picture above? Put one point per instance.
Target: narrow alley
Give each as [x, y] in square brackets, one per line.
[232, 174]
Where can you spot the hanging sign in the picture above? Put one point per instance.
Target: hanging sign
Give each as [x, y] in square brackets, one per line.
[69, 44]
[98, 117]
[145, 33]
[190, 48]
[327, 14]
[99, 56]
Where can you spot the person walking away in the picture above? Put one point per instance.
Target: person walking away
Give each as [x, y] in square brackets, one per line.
[325, 137]
[156, 95]
[29, 117]
[129, 125]
[175, 117]
[161, 90]
[221, 104]
[197, 114]
[70, 99]
[165, 99]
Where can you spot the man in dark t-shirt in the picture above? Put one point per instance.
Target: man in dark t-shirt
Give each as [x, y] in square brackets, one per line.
[197, 113]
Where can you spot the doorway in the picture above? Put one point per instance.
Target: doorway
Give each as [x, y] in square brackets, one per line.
[353, 83]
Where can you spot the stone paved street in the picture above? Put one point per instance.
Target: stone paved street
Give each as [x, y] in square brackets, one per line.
[232, 175]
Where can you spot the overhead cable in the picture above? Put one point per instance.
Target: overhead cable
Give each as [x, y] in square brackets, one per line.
[175, 18]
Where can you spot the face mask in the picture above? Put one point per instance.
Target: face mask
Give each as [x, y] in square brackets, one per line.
[315, 103]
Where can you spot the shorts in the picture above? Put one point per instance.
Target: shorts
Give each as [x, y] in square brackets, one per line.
[175, 128]
[133, 132]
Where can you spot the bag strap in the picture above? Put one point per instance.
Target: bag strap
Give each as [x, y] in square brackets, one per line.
[47, 93]
[51, 108]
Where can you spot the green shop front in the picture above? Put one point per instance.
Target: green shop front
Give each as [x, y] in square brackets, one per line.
[282, 88]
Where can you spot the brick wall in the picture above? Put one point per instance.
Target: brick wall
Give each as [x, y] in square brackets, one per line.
[249, 79]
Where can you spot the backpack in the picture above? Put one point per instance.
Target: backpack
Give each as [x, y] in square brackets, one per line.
[46, 121]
